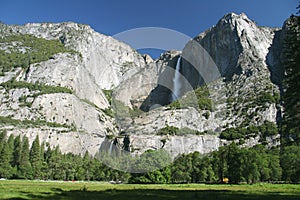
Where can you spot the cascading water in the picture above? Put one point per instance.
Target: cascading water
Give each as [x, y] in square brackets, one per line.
[110, 147]
[176, 81]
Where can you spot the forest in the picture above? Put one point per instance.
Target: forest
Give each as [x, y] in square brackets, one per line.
[21, 160]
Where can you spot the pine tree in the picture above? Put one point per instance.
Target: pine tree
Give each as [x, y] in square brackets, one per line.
[6, 170]
[2, 139]
[56, 165]
[291, 127]
[25, 166]
[290, 139]
[10, 143]
[44, 166]
[17, 152]
[86, 165]
[42, 151]
[35, 157]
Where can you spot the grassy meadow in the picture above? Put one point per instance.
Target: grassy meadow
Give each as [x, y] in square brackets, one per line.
[22, 189]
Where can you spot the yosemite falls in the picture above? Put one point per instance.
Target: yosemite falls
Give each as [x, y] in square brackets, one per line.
[176, 81]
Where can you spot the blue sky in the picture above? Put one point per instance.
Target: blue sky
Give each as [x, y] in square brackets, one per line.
[113, 16]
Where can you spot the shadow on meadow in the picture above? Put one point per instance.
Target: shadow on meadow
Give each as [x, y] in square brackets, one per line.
[157, 194]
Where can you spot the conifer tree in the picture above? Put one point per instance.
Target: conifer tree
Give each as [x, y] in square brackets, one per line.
[291, 127]
[5, 167]
[86, 165]
[2, 139]
[35, 157]
[10, 143]
[25, 166]
[17, 152]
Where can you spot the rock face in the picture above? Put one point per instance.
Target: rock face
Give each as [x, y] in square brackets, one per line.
[101, 62]
[238, 61]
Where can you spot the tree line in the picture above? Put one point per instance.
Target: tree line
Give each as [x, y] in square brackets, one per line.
[230, 164]
[20, 160]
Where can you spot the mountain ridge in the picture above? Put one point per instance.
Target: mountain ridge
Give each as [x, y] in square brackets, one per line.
[239, 48]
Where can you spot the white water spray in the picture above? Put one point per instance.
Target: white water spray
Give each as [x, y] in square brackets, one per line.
[176, 81]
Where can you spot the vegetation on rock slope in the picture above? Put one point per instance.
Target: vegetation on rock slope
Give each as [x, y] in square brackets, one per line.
[22, 50]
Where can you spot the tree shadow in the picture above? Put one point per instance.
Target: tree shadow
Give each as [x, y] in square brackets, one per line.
[157, 194]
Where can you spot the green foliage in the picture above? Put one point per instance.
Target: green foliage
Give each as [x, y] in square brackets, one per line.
[35, 158]
[268, 129]
[36, 163]
[247, 105]
[234, 162]
[161, 176]
[119, 109]
[232, 133]
[172, 130]
[42, 88]
[265, 130]
[6, 169]
[17, 152]
[168, 130]
[30, 123]
[39, 88]
[251, 165]
[108, 95]
[191, 168]
[24, 168]
[175, 105]
[34, 50]
[108, 112]
[265, 97]
[290, 162]
[89, 102]
[291, 83]
[199, 98]
[154, 162]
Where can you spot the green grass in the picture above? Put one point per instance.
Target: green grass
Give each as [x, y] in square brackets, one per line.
[21, 189]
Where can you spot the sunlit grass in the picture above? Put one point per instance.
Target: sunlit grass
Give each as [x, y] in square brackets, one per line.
[22, 189]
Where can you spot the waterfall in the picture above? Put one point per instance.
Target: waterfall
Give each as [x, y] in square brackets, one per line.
[176, 81]
[110, 147]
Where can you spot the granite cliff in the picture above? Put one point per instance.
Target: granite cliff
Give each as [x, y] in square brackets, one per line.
[99, 88]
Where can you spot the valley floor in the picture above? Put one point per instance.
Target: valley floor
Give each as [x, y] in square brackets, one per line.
[22, 189]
